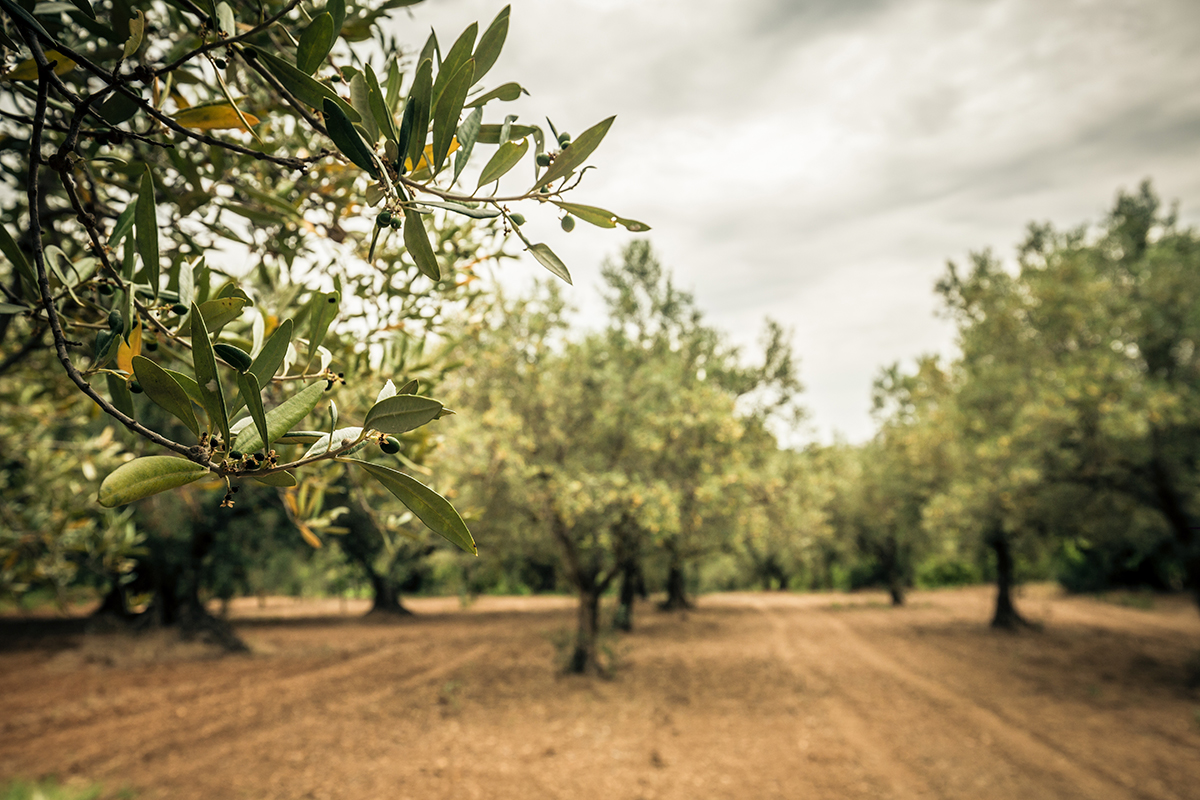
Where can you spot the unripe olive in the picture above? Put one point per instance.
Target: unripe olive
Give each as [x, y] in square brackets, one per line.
[384, 219]
[517, 219]
[396, 223]
[564, 139]
[180, 309]
[543, 159]
[135, 387]
[389, 445]
[568, 223]
[106, 289]
[220, 63]
[115, 321]
[235, 454]
[235, 357]
[151, 345]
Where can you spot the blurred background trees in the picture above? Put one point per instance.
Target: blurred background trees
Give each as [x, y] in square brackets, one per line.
[643, 455]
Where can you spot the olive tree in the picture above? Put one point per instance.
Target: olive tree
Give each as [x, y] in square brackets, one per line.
[196, 194]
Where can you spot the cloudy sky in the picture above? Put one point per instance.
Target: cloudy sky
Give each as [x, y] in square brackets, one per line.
[818, 161]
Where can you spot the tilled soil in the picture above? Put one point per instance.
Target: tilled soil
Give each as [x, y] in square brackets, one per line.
[748, 696]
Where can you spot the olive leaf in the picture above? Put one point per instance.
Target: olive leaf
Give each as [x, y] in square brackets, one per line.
[315, 43]
[165, 391]
[401, 413]
[204, 362]
[507, 156]
[146, 225]
[426, 504]
[347, 138]
[281, 419]
[573, 155]
[145, 476]
[416, 241]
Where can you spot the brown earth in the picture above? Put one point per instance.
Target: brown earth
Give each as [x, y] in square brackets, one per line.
[748, 696]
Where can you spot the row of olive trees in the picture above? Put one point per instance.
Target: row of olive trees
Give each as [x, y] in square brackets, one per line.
[1068, 425]
[641, 441]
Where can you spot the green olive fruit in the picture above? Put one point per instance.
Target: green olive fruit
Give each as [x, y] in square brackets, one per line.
[151, 345]
[115, 321]
[180, 309]
[235, 357]
[135, 387]
[568, 223]
[220, 63]
[517, 219]
[396, 223]
[389, 445]
[564, 139]
[543, 159]
[106, 289]
[235, 454]
[384, 219]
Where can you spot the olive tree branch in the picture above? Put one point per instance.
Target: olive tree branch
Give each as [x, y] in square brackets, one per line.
[179, 62]
[39, 259]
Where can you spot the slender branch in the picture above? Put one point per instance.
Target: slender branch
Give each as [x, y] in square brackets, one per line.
[466, 198]
[179, 62]
[39, 259]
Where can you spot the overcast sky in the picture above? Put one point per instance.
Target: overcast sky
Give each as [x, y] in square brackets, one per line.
[818, 161]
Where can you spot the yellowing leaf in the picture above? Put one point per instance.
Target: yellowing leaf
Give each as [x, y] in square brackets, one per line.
[126, 351]
[27, 70]
[213, 117]
[428, 156]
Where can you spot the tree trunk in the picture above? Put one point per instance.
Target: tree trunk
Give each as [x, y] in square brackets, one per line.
[113, 606]
[676, 584]
[387, 596]
[896, 590]
[631, 586]
[1006, 615]
[1171, 505]
[584, 659]
[362, 543]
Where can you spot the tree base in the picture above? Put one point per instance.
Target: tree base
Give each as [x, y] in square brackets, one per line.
[389, 612]
[1010, 620]
[676, 603]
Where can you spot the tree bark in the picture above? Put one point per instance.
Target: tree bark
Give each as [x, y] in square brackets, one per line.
[676, 583]
[896, 590]
[386, 596]
[1006, 615]
[632, 586]
[1171, 504]
[584, 659]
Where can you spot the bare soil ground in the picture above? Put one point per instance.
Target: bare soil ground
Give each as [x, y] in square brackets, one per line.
[748, 696]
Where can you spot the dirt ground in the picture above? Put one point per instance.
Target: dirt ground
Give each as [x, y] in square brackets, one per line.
[748, 696]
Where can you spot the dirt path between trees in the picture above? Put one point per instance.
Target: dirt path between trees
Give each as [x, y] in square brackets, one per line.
[748, 696]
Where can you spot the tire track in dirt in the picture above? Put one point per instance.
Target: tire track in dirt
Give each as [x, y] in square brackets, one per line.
[852, 726]
[224, 742]
[955, 661]
[1024, 750]
[1014, 736]
[295, 683]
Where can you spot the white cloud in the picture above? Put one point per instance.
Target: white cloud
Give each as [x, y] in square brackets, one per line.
[820, 161]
